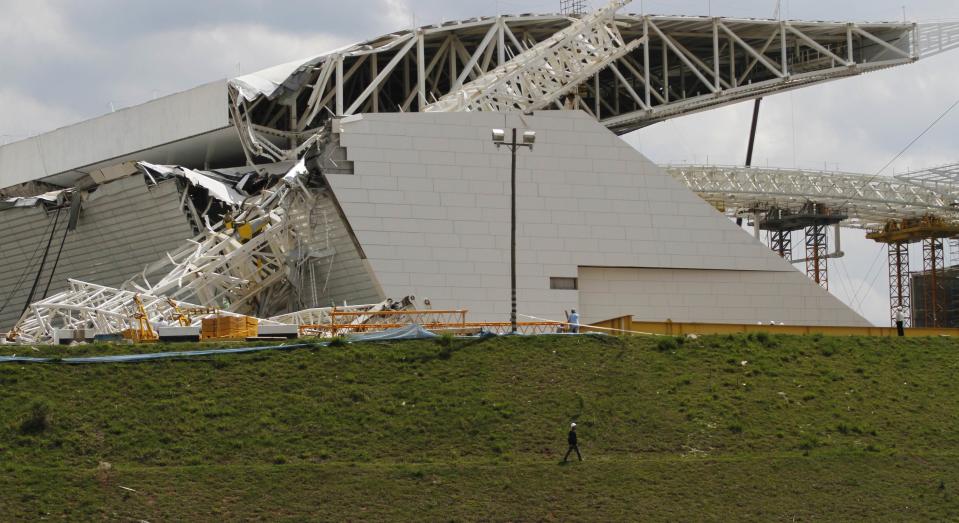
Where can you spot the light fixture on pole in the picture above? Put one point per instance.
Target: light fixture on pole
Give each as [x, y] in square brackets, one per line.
[499, 138]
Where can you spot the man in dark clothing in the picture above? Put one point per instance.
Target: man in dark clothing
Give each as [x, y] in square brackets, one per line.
[573, 445]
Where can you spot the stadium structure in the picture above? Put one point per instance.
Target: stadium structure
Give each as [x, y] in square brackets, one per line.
[369, 172]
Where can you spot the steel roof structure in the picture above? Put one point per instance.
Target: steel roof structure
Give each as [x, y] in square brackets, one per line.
[870, 201]
[626, 70]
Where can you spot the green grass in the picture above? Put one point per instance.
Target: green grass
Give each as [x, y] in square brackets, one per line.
[763, 428]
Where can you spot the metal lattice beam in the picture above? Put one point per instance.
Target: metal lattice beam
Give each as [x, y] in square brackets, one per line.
[870, 201]
[541, 75]
[628, 71]
[781, 243]
[241, 267]
[95, 307]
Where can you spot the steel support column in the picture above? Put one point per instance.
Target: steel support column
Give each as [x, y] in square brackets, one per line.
[932, 263]
[817, 247]
[899, 282]
[781, 243]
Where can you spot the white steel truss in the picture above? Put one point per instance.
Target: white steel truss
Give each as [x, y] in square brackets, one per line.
[86, 306]
[626, 70]
[247, 273]
[942, 178]
[869, 201]
[538, 77]
[242, 266]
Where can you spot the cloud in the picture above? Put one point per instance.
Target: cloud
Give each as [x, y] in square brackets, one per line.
[25, 116]
[155, 63]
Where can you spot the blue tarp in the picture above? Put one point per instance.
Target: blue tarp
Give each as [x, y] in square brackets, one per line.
[136, 358]
[410, 332]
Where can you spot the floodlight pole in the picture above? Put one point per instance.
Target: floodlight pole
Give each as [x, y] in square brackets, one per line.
[512, 234]
[528, 140]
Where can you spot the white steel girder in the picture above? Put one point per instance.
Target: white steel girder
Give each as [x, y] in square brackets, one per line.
[870, 201]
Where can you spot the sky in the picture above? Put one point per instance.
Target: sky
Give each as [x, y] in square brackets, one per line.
[66, 61]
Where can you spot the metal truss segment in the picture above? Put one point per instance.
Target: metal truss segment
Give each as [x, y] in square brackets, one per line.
[935, 38]
[665, 67]
[97, 308]
[870, 201]
[542, 74]
[781, 243]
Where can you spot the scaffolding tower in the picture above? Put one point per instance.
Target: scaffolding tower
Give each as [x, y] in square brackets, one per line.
[933, 261]
[779, 225]
[781, 243]
[923, 304]
[815, 218]
[899, 288]
[817, 248]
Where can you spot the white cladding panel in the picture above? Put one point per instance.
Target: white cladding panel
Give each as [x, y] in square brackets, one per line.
[692, 295]
[429, 204]
[123, 226]
[165, 120]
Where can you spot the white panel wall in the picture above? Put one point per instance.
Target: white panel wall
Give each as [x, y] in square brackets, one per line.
[691, 295]
[123, 226]
[168, 119]
[429, 204]
[347, 277]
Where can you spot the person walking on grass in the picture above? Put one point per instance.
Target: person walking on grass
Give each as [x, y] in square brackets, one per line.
[900, 322]
[573, 443]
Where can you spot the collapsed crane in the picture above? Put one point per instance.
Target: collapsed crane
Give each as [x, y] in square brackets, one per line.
[240, 266]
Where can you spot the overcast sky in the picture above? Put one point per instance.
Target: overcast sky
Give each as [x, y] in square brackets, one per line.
[66, 61]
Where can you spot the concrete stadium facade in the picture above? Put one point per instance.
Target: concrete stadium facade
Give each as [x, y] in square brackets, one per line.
[429, 204]
[388, 143]
[420, 206]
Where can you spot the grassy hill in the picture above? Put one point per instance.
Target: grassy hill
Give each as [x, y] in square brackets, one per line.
[762, 428]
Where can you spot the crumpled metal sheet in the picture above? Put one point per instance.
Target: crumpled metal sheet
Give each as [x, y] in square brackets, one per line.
[219, 190]
[48, 197]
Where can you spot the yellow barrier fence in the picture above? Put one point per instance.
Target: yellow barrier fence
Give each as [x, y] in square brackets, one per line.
[626, 325]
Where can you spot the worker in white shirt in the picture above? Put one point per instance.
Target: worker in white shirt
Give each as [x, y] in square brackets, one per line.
[573, 321]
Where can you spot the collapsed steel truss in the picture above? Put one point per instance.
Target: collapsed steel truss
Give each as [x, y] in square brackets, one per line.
[870, 201]
[240, 272]
[242, 265]
[95, 307]
[627, 71]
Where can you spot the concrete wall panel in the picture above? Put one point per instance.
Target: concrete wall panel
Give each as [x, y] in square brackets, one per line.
[165, 120]
[583, 194]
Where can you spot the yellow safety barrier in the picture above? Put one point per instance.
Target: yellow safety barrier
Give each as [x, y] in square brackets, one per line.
[626, 325]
